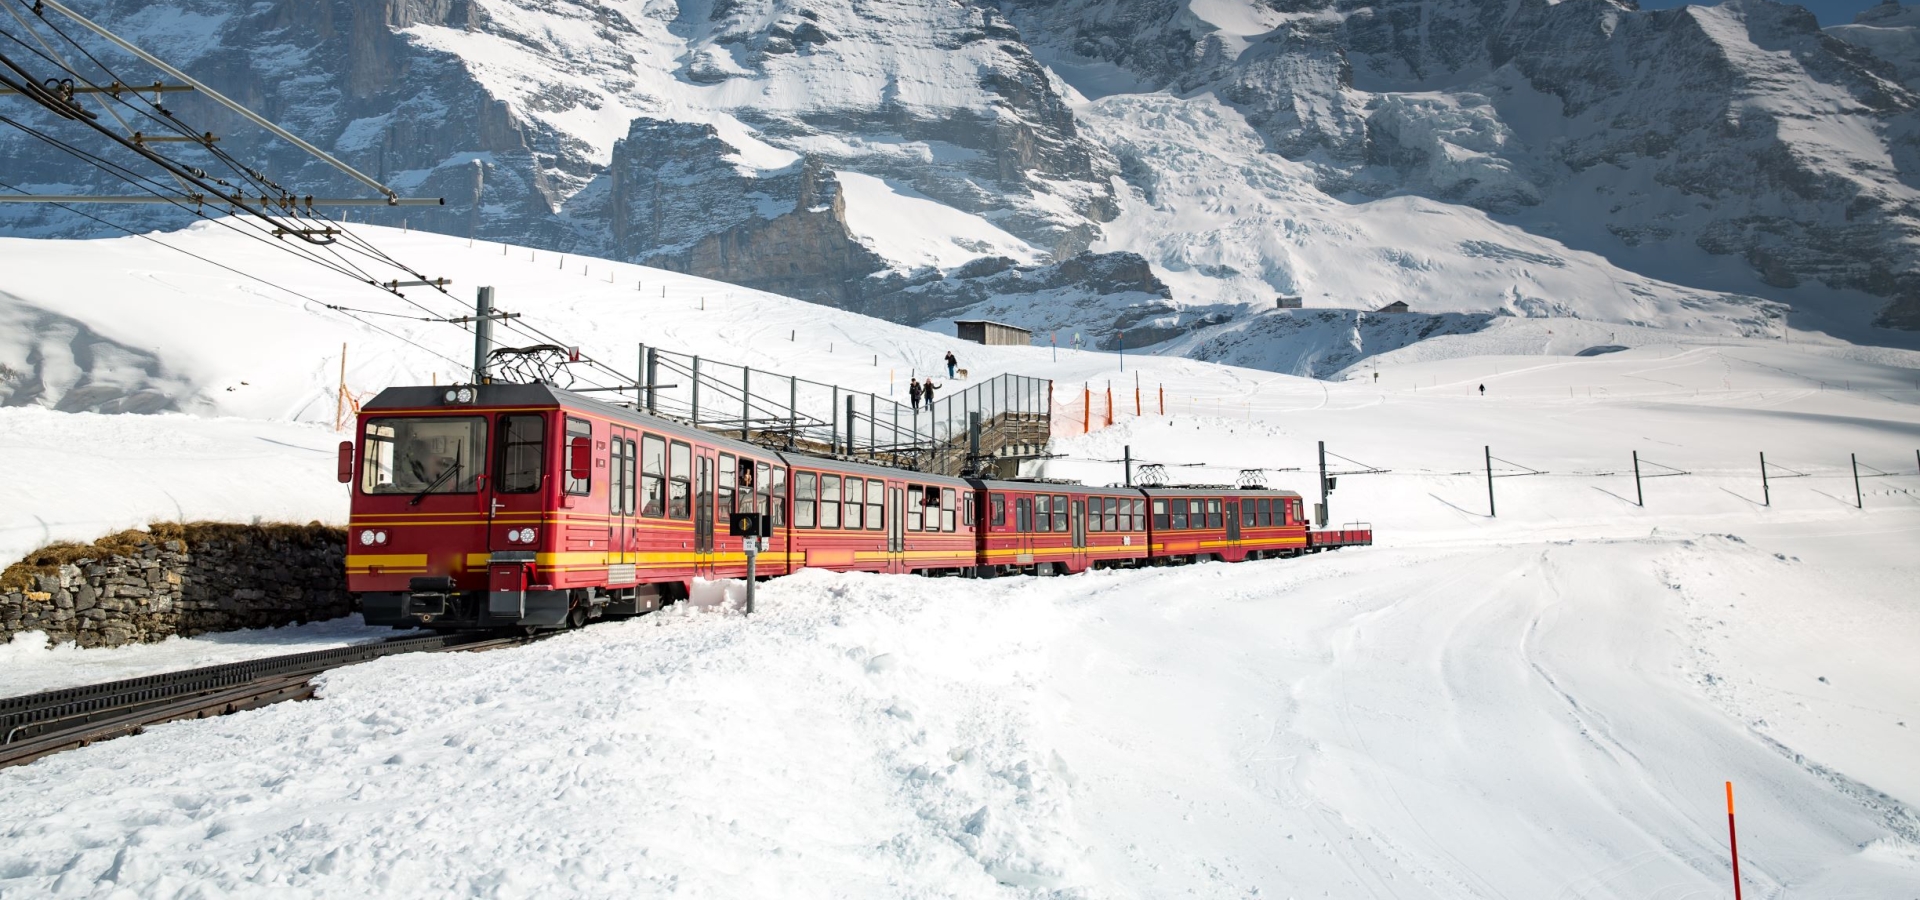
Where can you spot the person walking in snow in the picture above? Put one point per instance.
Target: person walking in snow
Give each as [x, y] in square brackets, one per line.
[927, 389]
[913, 393]
[951, 363]
[1483, 390]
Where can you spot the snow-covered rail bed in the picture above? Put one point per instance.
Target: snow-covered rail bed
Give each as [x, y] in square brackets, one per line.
[1525, 719]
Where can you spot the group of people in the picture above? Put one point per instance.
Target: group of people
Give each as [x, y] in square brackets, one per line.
[919, 390]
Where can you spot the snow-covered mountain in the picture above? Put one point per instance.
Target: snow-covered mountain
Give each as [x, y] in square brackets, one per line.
[1164, 168]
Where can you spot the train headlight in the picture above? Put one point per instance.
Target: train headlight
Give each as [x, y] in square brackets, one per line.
[526, 535]
[453, 396]
[379, 537]
[366, 538]
[464, 395]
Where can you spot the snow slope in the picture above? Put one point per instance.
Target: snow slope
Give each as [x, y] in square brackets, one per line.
[1539, 704]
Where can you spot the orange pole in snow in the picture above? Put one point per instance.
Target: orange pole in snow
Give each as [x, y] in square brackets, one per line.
[1163, 399]
[1733, 843]
[1086, 408]
[1109, 404]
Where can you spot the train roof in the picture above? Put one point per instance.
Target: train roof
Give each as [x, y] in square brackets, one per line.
[1044, 486]
[1215, 491]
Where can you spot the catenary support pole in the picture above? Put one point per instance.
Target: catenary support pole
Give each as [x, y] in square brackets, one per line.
[1126, 456]
[1492, 511]
[1766, 494]
[850, 424]
[793, 409]
[640, 378]
[1639, 496]
[1326, 514]
[482, 333]
[833, 407]
[696, 392]
[746, 402]
[653, 379]
[1858, 501]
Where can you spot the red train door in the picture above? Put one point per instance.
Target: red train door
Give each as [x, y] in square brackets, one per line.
[896, 529]
[622, 504]
[516, 494]
[704, 497]
[1079, 534]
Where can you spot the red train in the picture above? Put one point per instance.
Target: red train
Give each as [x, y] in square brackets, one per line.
[520, 505]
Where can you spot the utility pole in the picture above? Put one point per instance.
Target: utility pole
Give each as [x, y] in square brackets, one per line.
[746, 408]
[482, 333]
[1126, 456]
[653, 379]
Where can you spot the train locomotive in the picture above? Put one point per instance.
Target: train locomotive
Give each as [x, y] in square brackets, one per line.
[526, 506]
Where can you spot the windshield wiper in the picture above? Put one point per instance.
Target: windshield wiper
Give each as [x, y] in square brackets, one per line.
[450, 472]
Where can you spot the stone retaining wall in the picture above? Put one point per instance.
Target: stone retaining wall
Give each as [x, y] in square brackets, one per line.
[185, 580]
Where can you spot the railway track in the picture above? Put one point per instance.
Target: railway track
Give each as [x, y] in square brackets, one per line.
[36, 725]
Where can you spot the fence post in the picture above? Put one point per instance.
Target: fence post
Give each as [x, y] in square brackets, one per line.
[1492, 511]
[1640, 498]
[1766, 495]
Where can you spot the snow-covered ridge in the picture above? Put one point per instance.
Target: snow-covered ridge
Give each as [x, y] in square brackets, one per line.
[712, 138]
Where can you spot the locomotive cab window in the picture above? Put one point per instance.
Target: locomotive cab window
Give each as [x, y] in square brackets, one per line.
[578, 479]
[521, 454]
[428, 455]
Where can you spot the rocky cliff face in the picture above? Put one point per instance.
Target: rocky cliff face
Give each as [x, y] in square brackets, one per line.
[1740, 129]
[1583, 158]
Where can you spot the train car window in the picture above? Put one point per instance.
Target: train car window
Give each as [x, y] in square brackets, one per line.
[1093, 514]
[997, 508]
[778, 497]
[1196, 514]
[949, 499]
[1112, 514]
[680, 482]
[726, 483]
[1249, 514]
[1139, 515]
[653, 476]
[438, 455]
[1179, 520]
[576, 428]
[1042, 514]
[966, 509]
[1023, 514]
[1160, 520]
[876, 503]
[1213, 515]
[521, 456]
[763, 489]
[829, 501]
[1266, 512]
[916, 513]
[804, 499]
[1060, 522]
[856, 502]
